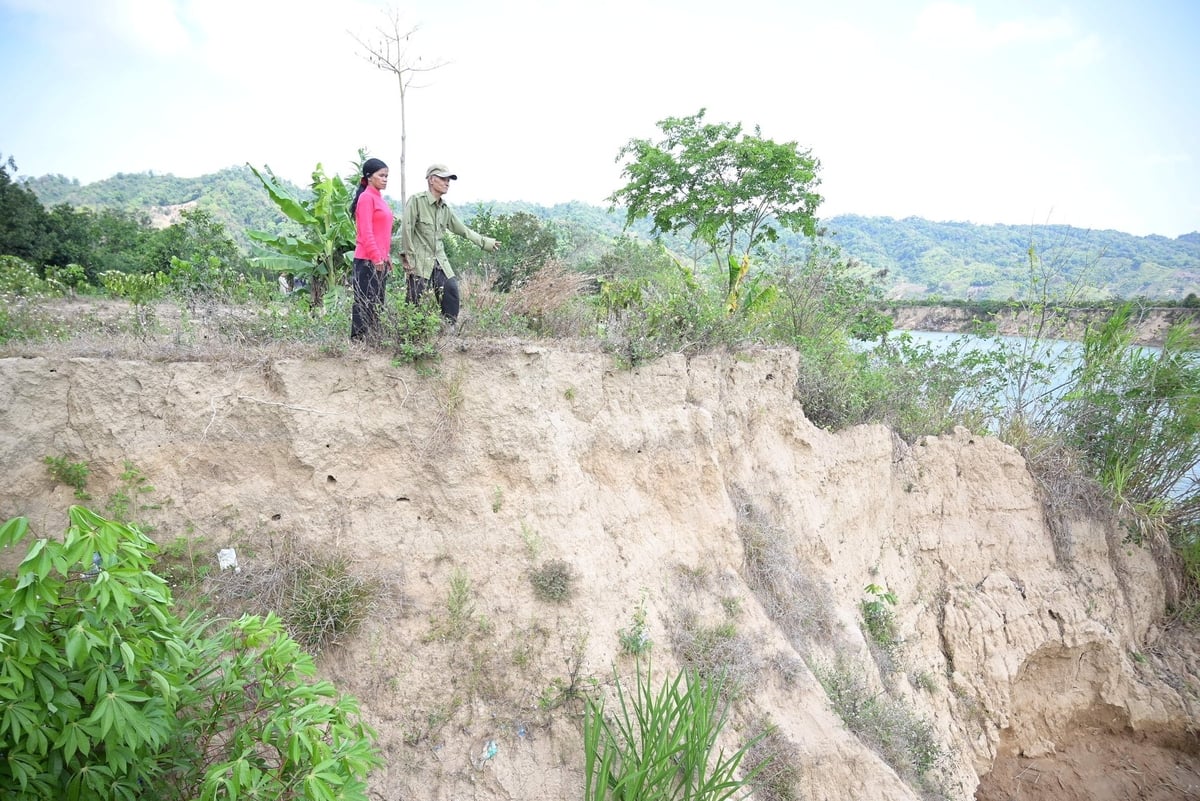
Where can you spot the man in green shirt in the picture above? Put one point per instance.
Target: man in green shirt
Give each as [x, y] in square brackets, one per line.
[426, 220]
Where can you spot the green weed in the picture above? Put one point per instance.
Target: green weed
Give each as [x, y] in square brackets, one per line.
[72, 474]
[635, 640]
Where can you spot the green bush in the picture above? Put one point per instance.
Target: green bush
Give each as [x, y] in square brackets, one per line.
[879, 622]
[108, 695]
[552, 581]
[1134, 413]
[138, 288]
[410, 330]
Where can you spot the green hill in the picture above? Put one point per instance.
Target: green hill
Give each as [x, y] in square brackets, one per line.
[922, 259]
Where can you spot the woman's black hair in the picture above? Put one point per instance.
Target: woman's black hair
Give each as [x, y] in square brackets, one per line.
[370, 167]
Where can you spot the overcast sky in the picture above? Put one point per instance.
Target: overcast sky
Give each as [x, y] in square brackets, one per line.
[1075, 112]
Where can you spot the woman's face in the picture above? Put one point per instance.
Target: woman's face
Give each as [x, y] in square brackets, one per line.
[378, 179]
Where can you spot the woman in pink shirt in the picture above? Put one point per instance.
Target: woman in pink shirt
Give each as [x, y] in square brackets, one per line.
[372, 248]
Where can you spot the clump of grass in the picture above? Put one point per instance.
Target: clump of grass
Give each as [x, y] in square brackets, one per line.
[659, 744]
[180, 562]
[713, 651]
[460, 609]
[532, 540]
[552, 581]
[316, 592]
[1061, 476]
[72, 474]
[326, 601]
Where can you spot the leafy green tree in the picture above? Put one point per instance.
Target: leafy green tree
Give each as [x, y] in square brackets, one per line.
[23, 225]
[197, 236]
[526, 245]
[107, 240]
[729, 191]
[328, 232]
[106, 694]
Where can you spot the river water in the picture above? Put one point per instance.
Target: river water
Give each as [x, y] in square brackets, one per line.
[1063, 355]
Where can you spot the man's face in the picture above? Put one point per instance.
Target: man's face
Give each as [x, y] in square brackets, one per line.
[439, 185]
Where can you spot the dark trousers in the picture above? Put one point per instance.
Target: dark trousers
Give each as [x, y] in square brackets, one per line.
[444, 289]
[369, 287]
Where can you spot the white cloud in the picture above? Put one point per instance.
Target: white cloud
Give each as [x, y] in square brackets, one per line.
[955, 26]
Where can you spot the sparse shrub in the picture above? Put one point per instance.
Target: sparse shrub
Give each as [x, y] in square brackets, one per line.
[460, 608]
[910, 387]
[880, 623]
[553, 581]
[125, 499]
[73, 474]
[410, 330]
[904, 740]
[675, 313]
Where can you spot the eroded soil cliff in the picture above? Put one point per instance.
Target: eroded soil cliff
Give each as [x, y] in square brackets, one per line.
[693, 490]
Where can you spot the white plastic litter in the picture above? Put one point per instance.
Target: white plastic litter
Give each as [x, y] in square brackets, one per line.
[227, 558]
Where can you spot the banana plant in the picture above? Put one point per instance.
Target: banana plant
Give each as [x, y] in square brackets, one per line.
[745, 295]
[319, 256]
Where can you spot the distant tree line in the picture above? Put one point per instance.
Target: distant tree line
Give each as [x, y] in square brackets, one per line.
[78, 245]
[915, 259]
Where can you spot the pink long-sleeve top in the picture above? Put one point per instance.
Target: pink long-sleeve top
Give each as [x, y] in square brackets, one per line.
[373, 219]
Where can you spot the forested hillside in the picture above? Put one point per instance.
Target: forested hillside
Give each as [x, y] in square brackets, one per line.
[922, 259]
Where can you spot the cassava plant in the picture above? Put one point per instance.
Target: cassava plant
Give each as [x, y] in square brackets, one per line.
[106, 694]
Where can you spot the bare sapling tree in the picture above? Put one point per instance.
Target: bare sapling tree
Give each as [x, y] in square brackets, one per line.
[389, 50]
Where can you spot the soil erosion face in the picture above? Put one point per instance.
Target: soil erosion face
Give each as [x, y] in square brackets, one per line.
[1096, 766]
[690, 493]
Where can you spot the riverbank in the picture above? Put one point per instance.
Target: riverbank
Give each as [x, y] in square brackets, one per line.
[1152, 322]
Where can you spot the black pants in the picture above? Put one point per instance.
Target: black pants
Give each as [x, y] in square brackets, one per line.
[369, 287]
[444, 289]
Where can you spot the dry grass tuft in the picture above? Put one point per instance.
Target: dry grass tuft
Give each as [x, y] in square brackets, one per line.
[320, 594]
[715, 652]
[798, 603]
[779, 759]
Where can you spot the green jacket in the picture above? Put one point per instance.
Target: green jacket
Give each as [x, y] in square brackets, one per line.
[422, 229]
